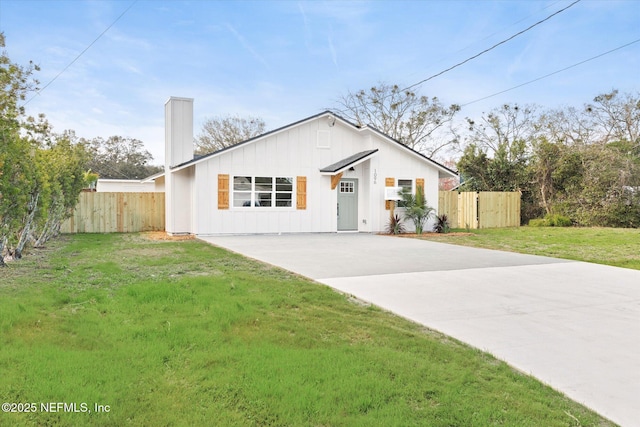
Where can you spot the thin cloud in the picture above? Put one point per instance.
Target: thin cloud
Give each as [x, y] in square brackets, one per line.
[307, 28]
[332, 49]
[128, 66]
[121, 38]
[247, 46]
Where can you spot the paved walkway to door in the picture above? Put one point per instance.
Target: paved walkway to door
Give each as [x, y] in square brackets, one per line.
[573, 325]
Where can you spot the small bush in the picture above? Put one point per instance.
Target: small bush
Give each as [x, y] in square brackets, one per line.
[442, 224]
[416, 208]
[551, 220]
[557, 220]
[395, 225]
[538, 222]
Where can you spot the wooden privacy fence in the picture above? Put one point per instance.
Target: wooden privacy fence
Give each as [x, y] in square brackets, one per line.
[116, 213]
[134, 212]
[486, 209]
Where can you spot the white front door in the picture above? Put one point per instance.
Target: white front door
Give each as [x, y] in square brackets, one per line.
[348, 205]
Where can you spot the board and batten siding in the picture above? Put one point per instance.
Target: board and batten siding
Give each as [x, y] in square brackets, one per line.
[292, 153]
[396, 163]
[299, 152]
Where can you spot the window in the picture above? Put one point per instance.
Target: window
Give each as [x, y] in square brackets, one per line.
[262, 191]
[405, 185]
[347, 187]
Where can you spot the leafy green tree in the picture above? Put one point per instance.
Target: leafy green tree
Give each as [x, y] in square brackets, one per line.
[581, 164]
[41, 174]
[66, 164]
[17, 177]
[474, 169]
[118, 157]
[16, 152]
[593, 163]
[37, 133]
[497, 156]
[543, 164]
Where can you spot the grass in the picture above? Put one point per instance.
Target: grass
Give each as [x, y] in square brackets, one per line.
[619, 247]
[183, 334]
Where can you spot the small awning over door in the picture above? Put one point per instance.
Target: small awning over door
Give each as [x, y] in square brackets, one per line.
[348, 162]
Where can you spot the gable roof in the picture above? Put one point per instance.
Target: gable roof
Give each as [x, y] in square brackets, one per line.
[328, 113]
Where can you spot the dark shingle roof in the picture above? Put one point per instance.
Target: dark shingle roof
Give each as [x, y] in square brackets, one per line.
[371, 128]
[344, 163]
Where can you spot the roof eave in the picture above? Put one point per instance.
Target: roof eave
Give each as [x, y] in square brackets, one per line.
[350, 164]
[152, 177]
[443, 171]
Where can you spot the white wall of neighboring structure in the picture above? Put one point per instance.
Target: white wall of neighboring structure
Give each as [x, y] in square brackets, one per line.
[124, 186]
[159, 184]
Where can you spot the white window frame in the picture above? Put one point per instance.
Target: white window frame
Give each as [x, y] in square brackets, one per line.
[347, 187]
[254, 193]
[413, 188]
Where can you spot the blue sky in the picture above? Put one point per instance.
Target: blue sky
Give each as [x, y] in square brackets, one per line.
[286, 60]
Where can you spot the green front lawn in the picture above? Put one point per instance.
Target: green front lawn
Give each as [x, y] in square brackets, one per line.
[619, 247]
[186, 334]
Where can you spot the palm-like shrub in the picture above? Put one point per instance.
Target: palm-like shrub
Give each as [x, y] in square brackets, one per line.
[395, 225]
[416, 208]
[442, 224]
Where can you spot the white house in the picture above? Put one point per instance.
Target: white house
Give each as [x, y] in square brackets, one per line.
[321, 174]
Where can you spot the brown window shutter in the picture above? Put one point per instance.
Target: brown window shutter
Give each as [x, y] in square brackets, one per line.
[420, 183]
[223, 191]
[301, 192]
[389, 182]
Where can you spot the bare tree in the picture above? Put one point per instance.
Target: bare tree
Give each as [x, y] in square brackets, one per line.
[618, 116]
[221, 132]
[416, 121]
[567, 126]
[504, 128]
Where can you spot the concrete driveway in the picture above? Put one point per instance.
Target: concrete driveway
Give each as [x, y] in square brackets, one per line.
[573, 325]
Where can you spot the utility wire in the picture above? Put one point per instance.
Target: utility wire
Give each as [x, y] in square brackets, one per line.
[492, 47]
[511, 25]
[81, 53]
[551, 74]
[491, 35]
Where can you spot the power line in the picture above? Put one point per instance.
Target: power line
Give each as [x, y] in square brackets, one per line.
[491, 35]
[492, 47]
[81, 53]
[551, 74]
